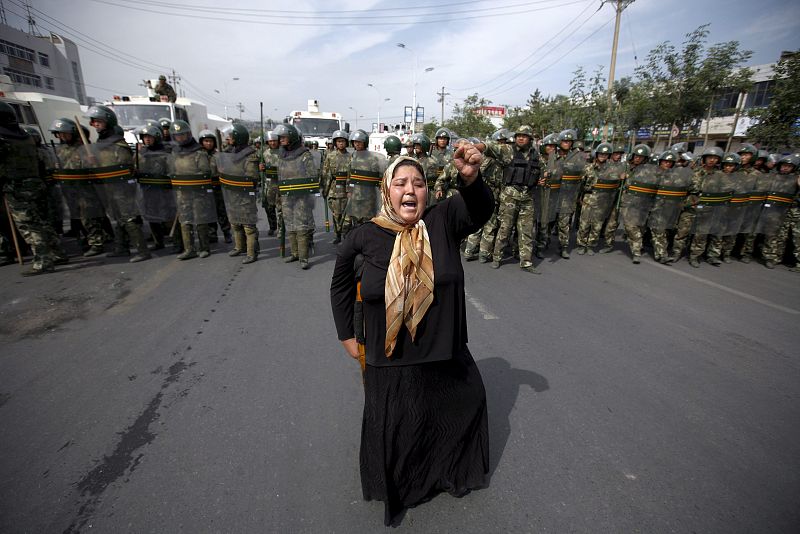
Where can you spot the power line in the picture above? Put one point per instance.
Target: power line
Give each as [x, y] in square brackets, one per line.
[138, 8]
[404, 8]
[532, 54]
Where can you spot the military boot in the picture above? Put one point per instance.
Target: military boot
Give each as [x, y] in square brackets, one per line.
[484, 258]
[470, 255]
[39, 269]
[187, 233]
[581, 251]
[94, 250]
[589, 251]
[606, 249]
[238, 243]
[636, 259]
[157, 231]
[746, 258]
[291, 237]
[138, 241]
[303, 245]
[203, 241]
[713, 260]
[565, 253]
[529, 268]
[251, 234]
[336, 240]
[121, 243]
[694, 263]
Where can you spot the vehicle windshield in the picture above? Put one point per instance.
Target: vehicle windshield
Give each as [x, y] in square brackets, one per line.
[135, 115]
[321, 127]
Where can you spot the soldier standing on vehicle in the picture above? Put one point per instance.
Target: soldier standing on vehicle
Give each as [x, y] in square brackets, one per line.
[334, 176]
[111, 160]
[26, 193]
[165, 89]
[190, 172]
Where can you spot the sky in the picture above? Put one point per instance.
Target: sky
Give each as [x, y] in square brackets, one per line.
[285, 53]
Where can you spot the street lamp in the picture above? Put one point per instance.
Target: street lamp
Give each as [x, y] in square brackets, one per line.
[414, 88]
[380, 102]
[356, 112]
[225, 84]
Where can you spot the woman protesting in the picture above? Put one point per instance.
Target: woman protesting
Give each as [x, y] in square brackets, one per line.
[425, 425]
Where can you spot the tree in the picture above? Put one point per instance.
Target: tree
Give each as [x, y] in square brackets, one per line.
[430, 128]
[777, 126]
[467, 122]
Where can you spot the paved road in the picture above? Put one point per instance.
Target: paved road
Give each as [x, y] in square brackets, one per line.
[207, 396]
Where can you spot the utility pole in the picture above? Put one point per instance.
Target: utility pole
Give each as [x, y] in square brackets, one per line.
[31, 21]
[176, 81]
[3, 13]
[241, 110]
[441, 99]
[621, 5]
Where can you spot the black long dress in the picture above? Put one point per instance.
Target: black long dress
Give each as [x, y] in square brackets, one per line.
[425, 426]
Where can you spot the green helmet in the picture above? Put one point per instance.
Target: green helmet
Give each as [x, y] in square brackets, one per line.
[103, 113]
[567, 135]
[359, 135]
[257, 140]
[499, 135]
[668, 155]
[603, 148]
[641, 150]
[152, 131]
[730, 157]
[7, 115]
[179, 127]
[579, 145]
[772, 158]
[271, 136]
[524, 130]
[207, 134]
[654, 159]
[33, 132]
[239, 134]
[687, 156]
[422, 140]
[64, 125]
[679, 148]
[165, 123]
[550, 139]
[791, 159]
[748, 149]
[340, 134]
[618, 148]
[762, 154]
[152, 122]
[290, 131]
[713, 151]
[443, 132]
[393, 145]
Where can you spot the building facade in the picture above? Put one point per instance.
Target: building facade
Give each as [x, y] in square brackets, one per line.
[42, 64]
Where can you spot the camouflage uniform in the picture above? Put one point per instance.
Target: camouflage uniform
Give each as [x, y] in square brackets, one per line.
[446, 182]
[715, 192]
[365, 173]
[790, 229]
[431, 169]
[482, 241]
[721, 246]
[190, 173]
[440, 158]
[26, 194]
[638, 198]
[270, 189]
[749, 238]
[334, 175]
[569, 166]
[612, 221]
[158, 200]
[683, 228]
[673, 187]
[238, 173]
[781, 196]
[298, 184]
[601, 181]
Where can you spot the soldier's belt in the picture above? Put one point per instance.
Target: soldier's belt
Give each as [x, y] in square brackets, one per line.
[757, 196]
[570, 178]
[638, 188]
[365, 178]
[298, 186]
[714, 198]
[271, 172]
[154, 179]
[607, 184]
[556, 185]
[341, 176]
[73, 175]
[672, 191]
[740, 198]
[114, 173]
[782, 198]
[230, 180]
[191, 180]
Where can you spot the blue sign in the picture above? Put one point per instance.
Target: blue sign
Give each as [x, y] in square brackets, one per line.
[420, 114]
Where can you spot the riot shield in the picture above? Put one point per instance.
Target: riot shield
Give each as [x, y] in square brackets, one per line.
[76, 183]
[597, 204]
[238, 187]
[571, 178]
[716, 191]
[777, 203]
[742, 183]
[156, 198]
[366, 173]
[190, 174]
[639, 195]
[113, 181]
[673, 187]
[298, 183]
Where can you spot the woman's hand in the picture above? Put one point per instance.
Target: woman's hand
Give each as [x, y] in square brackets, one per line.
[467, 160]
[351, 346]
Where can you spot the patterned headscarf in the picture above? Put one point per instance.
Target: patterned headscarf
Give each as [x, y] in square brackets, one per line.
[409, 278]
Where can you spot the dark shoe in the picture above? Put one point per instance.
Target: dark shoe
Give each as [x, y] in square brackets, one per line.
[531, 269]
[248, 259]
[290, 258]
[140, 257]
[484, 258]
[304, 265]
[495, 265]
[233, 253]
[94, 250]
[606, 249]
[769, 264]
[636, 259]
[33, 271]
[118, 253]
[187, 255]
[746, 259]
[203, 254]
[663, 260]
[270, 232]
[714, 261]
[228, 238]
[694, 263]
[675, 258]
[538, 253]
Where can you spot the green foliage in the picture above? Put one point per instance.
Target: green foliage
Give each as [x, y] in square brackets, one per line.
[430, 128]
[466, 122]
[777, 123]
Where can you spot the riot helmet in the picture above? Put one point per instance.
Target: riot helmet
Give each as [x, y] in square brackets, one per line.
[603, 148]
[238, 134]
[153, 131]
[443, 132]
[392, 145]
[181, 132]
[102, 113]
[747, 148]
[679, 148]
[361, 136]
[64, 125]
[293, 136]
[422, 140]
[790, 159]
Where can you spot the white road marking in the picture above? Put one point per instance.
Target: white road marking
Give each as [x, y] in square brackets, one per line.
[727, 289]
[487, 314]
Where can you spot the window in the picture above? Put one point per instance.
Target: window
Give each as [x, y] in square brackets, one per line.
[44, 60]
[180, 114]
[760, 95]
[49, 83]
[7, 47]
[17, 76]
[726, 103]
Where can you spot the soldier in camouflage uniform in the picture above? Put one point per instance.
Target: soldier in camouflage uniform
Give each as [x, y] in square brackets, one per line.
[753, 164]
[546, 190]
[158, 200]
[609, 230]
[269, 189]
[47, 166]
[190, 173]
[637, 199]
[26, 193]
[208, 141]
[710, 193]
[298, 184]
[791, 231]
[238, 174]
[720, 245]
[601, 181]
[112, 162]
[781, 196]
[422, 146]
[334, 175]
[521, 172]
[674, 183]
[441, 153]
[480, 245]
[363, 182]
[568, 165]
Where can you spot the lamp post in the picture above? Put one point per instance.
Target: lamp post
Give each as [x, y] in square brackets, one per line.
[356, 113]
[414, 87]
[225, 85]
[380, 103]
